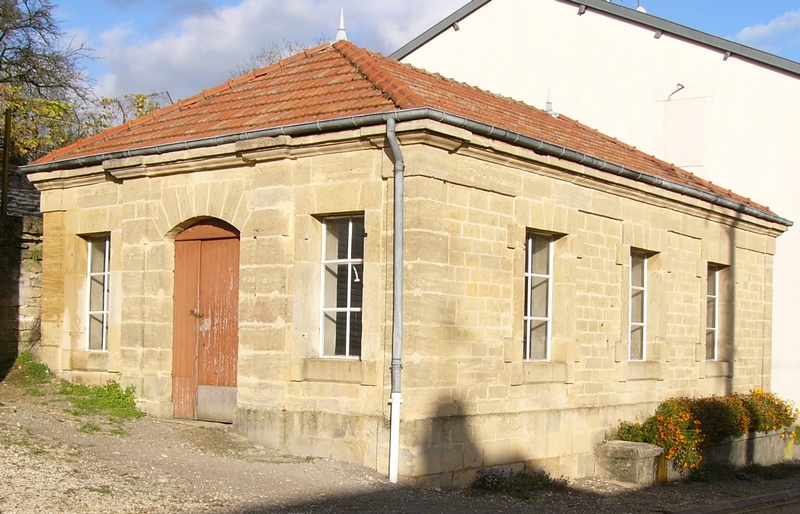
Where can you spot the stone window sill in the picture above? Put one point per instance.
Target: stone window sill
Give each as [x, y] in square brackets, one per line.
[343, 371]
[718, 369]
[644, 370]
[544, 372]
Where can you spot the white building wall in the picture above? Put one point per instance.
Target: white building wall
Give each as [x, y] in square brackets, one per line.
[734, 122]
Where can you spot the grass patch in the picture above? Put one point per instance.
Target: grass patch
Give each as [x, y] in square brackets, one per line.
[28, 372]
[109, 400]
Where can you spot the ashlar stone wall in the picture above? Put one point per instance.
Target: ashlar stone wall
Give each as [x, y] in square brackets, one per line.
[470, 401]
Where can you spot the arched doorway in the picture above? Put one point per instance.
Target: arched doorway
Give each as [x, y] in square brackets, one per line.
[206, 322]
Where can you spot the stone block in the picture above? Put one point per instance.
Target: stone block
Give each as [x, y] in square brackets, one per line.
[625, 461]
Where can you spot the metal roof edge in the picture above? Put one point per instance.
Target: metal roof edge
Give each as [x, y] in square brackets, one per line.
[632, 15]
[690, 34]
[437, 29]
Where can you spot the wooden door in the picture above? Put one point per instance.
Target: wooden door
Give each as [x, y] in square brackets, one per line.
[206, 322]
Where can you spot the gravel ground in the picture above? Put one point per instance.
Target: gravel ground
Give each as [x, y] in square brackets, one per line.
[49, 465]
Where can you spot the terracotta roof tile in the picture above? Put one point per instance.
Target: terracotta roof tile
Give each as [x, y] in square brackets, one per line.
[340, 80]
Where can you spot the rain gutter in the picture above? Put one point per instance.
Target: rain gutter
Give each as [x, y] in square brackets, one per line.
[353, 122]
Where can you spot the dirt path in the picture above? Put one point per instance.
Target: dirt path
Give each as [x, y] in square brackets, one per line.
[50, 462]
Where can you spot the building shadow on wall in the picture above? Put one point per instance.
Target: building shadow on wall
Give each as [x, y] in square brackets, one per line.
[10, 262]
[450, 455]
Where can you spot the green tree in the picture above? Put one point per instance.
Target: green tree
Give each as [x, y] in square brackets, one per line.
[109, 112]
[41, 78]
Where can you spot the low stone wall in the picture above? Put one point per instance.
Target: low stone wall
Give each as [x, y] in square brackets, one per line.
[760, 448]
[643, 464]
[20, 290]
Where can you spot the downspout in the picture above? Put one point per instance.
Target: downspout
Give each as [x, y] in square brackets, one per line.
[397, 295]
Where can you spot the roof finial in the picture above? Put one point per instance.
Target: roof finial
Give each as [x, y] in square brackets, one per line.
[341, 35]
[549, 105]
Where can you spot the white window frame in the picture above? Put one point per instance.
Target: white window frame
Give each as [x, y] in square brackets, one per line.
[105, 275]
[527, 317]
[352, 276]
[633, 289]
[713, 296]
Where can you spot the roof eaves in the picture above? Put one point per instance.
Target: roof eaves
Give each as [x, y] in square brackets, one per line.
[690, 34]
[478, 127]
[437, 29]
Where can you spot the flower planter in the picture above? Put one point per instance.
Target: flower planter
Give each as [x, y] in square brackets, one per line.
[643, 464]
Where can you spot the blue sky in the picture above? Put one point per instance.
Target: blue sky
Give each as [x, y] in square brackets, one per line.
[184, 46]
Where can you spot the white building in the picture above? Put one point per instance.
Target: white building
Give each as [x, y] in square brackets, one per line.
[724, 111]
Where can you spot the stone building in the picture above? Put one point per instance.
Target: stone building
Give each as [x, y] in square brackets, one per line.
[232, 256]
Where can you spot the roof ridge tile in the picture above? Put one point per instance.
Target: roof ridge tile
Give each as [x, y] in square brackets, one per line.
[398, 91]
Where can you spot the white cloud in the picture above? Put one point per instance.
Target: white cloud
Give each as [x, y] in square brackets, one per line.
[781, 31]
[200, 49]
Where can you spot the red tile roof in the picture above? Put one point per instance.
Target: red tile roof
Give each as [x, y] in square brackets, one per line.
[342, 80]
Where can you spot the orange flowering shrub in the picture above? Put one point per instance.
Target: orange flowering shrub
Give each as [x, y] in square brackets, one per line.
[682, 427]
[721, 417]
[768, 412]
[674, 429]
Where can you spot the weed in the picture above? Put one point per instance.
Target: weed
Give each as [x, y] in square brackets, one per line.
[34, 391]
[102, 489]
[516, 484]
[118, 430]
[494, 480]
[89, 428]
[308, 459]
[110, 400]
[29, 372]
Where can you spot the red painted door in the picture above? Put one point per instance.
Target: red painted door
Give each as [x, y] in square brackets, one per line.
[206, 322]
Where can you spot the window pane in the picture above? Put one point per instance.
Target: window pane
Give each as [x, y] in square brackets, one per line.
[358, 238]
[329, 333]
[711, 281]
[540, 255]
[96, 332]
[539, 295]
[341, 334]
[637, 343]
[711, 346]
[637, 306]
[356, 285]
[336, 239]
[331, 286]
[97, 255]
[637, 270]
[341, 285]
[538, 339]
[355, 333]
[711, 313]
[96, 292]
